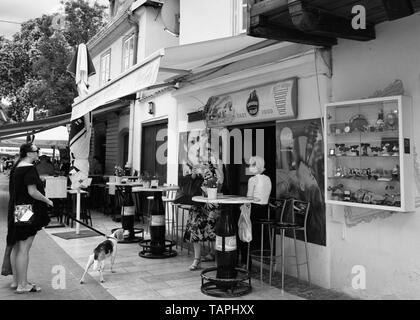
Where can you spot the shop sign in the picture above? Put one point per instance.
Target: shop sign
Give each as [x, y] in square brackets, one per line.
[266, 103]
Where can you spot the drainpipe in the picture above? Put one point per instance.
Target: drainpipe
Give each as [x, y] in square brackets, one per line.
[135, 23]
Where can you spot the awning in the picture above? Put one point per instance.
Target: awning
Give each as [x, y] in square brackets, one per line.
[161, 69]
[15, 130]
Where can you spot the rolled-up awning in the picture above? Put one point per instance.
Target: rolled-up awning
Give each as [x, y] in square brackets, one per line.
[161, 69]
[20, 129]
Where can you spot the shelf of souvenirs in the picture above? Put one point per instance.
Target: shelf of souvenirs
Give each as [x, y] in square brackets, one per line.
[384, 133]
[393, 156]
[396, 207]
[364, 198]
[366, 179]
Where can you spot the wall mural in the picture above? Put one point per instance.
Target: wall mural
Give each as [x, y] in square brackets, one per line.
[300, 171]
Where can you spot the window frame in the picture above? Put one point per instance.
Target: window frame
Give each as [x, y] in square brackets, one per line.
[103, 81]
[127, 39]
[239, 16]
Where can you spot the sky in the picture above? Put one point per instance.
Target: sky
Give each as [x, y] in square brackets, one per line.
[22, 10]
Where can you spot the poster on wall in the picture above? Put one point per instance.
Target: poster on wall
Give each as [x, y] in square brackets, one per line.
[300, 171]
[195, 153]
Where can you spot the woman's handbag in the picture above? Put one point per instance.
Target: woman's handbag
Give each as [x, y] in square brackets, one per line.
[23, 215]
[244, 224]
[6, 268]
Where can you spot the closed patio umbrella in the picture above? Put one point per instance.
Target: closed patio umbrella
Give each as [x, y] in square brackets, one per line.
[81, 67]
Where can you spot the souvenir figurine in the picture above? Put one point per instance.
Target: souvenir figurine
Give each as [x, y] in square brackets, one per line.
[375, 151]
[391, 121]
[337, 192]
[347, 195]
[365, 147]
[347, 128]
[380, 124]
[338, 154]
[369, 173]
[338, 172]
[395, 172]
[343, 149]
[354, 151]
[386, 149]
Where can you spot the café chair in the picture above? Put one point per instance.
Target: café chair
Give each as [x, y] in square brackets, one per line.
[294, 219]
[275, 210]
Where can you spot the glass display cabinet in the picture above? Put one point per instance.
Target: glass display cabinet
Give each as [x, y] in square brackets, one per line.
[368, 150]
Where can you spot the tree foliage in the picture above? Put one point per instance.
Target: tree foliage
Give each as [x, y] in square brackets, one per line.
[33, 64]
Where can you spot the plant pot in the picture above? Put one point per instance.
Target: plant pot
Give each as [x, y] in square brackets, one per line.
[212, 193]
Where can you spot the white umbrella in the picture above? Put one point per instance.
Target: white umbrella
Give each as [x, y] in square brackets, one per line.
[81, 67]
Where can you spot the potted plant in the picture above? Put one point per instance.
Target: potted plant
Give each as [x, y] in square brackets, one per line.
[145, 178]
[210, 185]
[119, 172]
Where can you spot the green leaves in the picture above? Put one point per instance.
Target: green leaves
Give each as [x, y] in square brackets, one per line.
[33, 64]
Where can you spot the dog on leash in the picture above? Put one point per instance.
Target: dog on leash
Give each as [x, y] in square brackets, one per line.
[106, 249]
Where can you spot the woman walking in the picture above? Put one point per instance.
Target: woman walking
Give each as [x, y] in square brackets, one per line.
[25, 187]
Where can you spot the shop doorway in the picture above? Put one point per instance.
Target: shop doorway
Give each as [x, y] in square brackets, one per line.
[154, 136]
[152, 142]
[236, 175]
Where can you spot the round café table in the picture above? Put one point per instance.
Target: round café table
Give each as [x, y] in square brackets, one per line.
[124, 200]
[157, 247]
[226, 280]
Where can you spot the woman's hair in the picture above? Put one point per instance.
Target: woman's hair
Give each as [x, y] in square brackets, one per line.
[259, 163]
[23, 152]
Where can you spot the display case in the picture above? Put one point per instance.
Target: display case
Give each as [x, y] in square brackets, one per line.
[368, 153]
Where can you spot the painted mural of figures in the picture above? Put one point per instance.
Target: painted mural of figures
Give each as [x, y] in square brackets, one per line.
[300, 170]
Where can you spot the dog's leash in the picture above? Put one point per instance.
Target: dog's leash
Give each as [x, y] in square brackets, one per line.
[87, 226]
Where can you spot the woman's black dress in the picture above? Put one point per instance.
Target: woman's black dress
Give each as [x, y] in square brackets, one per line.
[20, 179]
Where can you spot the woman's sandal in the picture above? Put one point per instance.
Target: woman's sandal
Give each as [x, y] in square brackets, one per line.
[208, 257]
[32, 288]
[195, 266]
[14, 286]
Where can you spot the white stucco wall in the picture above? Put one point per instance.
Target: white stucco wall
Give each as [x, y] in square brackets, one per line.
[213, 19]
[388, 248]
[165, 108]
[116, 67]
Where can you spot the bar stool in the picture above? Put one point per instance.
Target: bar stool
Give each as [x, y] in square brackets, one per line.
[183, 208]
[168, 199]
[85, 214]
[295, 221]
[278, 206]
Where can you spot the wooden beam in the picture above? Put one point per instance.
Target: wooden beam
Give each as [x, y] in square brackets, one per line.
[396, 9]
[260, 28]
[268, 7]
[317, 21]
